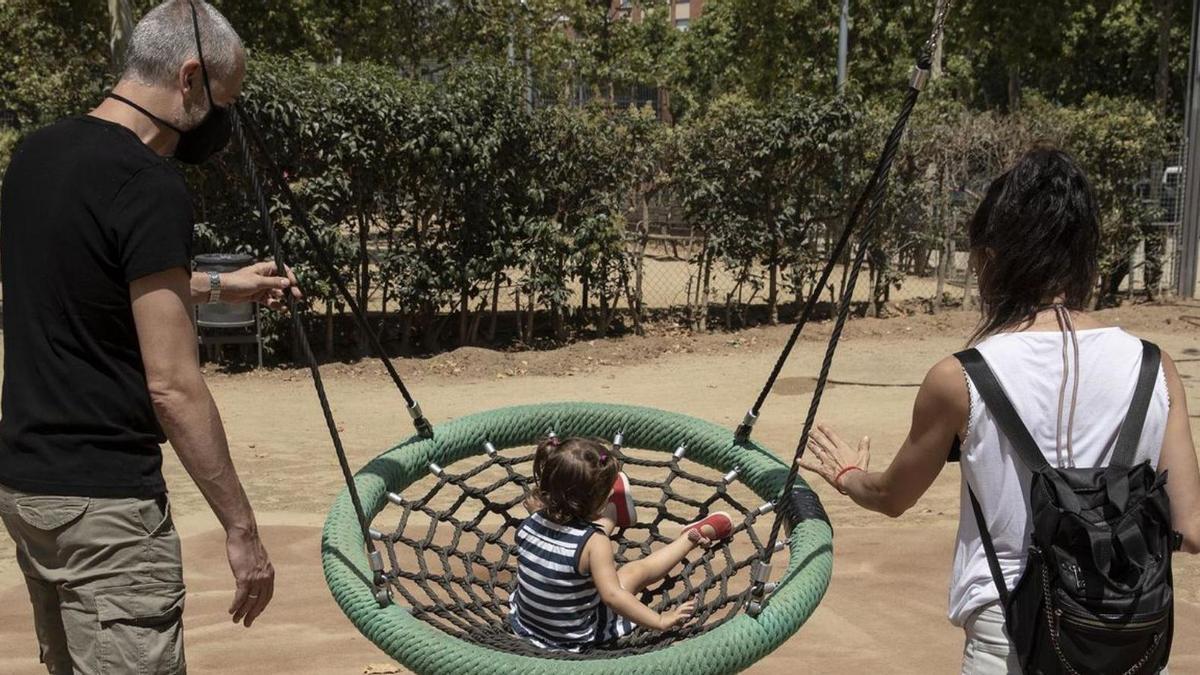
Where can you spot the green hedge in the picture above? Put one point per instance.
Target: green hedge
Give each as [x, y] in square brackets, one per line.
[436, 198]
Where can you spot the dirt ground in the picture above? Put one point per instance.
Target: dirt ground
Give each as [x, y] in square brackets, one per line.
[885, 609]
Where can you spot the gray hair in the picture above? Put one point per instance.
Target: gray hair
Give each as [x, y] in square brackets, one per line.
[165, 38]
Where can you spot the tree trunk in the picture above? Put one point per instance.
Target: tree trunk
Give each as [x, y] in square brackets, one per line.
[1014, 88]
[495, 318]
[476, 322]
[532, 311]
[1162, 80]
[328, 329]
[936, 69]
[586, 292]
[431, 331]
[947, 235]
[705, 287]
[120, 28]
[558, 323]
[464, 315]
[640, 269]
[406, 326]
[520, 317]
[364, 281]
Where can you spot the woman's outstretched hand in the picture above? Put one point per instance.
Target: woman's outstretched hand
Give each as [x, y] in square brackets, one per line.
[832, 458]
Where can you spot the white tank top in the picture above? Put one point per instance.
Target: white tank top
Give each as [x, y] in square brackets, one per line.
[1030, 367]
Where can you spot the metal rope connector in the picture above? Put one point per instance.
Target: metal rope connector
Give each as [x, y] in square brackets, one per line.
[680, 452]
[743, 431]
[489, 449]
[760, 572]
[424, 428]
[760, 587]
[920, 78]
[395, 499]
[618, 441]
[435, 469]
[383, 595]
[731, 476]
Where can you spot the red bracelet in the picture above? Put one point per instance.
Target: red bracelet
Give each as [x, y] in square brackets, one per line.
[837, 481]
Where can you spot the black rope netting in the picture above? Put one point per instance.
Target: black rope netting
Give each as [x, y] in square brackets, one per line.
[452, 555]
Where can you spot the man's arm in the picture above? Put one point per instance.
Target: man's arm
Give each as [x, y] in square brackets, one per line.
[254, 283]
[189, 416]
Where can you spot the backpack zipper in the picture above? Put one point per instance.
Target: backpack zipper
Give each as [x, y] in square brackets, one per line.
[1054, 615]
[1076, 618]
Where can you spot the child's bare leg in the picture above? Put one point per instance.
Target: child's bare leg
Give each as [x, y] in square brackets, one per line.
[639, 574]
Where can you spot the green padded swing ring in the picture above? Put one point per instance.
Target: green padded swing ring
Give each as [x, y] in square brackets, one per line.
[733, 646]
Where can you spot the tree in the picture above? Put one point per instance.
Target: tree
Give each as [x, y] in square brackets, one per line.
[758, 179]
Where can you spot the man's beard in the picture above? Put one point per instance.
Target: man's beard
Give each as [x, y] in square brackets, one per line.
[193, 114]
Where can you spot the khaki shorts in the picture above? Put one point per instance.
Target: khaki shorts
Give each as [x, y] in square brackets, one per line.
[106, 581]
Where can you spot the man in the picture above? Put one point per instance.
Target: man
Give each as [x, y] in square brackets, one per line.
[100, 357]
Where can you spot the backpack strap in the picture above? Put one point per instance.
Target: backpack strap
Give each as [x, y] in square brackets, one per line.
[1125, 450]
[1002, 410]
[1012, 427]
[990, 550]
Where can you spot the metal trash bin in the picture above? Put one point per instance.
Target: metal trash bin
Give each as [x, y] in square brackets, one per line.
[217, 323]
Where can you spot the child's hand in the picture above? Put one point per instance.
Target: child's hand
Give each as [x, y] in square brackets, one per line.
[676, 617]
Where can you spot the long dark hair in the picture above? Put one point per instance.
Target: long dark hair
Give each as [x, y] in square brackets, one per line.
[1034, 240]
[573, 477]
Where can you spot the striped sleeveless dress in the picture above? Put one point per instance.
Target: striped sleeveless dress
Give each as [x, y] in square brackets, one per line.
[554, 606]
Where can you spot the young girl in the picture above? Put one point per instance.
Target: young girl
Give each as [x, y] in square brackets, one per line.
[569, 592]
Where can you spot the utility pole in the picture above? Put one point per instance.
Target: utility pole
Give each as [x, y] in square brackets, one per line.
[843, 46]
[1190, 235]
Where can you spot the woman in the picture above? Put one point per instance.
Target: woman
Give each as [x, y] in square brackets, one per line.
[1034, 245]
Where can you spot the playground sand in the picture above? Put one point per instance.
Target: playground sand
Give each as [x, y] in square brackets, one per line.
[885, 609]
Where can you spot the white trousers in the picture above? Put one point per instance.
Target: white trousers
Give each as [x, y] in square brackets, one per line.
[988, 650]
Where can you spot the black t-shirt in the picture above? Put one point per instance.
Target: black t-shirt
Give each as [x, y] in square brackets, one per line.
[85, 209]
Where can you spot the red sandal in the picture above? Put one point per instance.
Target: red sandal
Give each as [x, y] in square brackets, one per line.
[622, 501]
[719, 521]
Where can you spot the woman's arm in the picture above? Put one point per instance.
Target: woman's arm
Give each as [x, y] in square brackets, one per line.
[1179, 458]
[939, 414]
[603, 568]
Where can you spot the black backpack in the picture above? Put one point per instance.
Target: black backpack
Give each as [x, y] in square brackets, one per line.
[1096, 595]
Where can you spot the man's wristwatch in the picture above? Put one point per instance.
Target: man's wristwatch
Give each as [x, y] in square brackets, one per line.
[214, 287]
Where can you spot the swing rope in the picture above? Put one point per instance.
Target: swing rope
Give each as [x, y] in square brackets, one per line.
[875, 189]
[325, 261]
[872, 198]
[240, 122]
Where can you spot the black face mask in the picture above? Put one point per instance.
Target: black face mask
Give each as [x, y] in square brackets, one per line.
[207, 138]
[198, 144]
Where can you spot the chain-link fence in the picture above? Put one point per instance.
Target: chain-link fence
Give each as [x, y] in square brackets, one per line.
[668, 271]
[924, 275]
